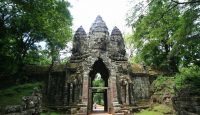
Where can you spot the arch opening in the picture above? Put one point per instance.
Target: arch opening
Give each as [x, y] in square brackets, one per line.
[98, 98]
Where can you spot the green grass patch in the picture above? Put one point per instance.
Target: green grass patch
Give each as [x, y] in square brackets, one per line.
[162, 109]
[13, 95]
[158, 109]
[148, 112]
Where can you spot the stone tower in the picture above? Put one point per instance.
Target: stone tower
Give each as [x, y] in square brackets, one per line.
[97, 52]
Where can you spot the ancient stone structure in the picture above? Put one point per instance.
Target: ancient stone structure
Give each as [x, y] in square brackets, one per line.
[186, 102]
[71, 89]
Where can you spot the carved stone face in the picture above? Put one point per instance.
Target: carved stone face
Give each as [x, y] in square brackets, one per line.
[98, 41]
[79, 41]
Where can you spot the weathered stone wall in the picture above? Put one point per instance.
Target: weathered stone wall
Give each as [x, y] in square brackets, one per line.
[55, 89]
[32, 73]
[141, 86]
[186, 102]
[187, 105]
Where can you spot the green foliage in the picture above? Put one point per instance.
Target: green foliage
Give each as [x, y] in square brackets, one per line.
[156, 110]
[98, 97]
[162, 108]
[13, 95]
[163, 84]
[38, 57]
[24, 24]
[98, 83]
[166, 36]
[189, 78]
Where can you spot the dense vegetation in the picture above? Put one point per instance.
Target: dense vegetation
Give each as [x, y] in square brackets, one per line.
[166, 37]
[188, 80]
[166, 33]
[24, 24]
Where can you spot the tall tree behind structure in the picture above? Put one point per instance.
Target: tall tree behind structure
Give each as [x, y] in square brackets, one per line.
[161, 35]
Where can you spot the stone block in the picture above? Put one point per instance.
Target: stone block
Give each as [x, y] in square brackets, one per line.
[13, 109]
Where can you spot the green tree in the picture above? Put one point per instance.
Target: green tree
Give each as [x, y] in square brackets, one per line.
[98, 82]
[162, 35]
[187, 36]
[26, 23]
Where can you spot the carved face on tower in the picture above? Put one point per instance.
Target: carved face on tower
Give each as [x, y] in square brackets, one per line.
[79, 45]
[117, 46]
[98, 35]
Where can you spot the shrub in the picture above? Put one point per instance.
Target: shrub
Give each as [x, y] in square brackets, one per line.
[163, 83]
[188, 78]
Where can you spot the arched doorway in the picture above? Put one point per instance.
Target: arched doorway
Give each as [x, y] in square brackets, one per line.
[98, 87]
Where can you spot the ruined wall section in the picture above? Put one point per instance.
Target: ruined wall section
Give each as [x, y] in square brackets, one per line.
[141, 86]
[54, 86]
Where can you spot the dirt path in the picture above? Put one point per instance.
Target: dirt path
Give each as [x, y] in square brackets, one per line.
[99, 110]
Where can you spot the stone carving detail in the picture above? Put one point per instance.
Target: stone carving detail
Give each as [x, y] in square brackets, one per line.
[99, 26]
[117, 46]
[79, 42]
[124, 84]
[98, 35]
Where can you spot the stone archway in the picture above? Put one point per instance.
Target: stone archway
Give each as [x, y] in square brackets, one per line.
[98, 67]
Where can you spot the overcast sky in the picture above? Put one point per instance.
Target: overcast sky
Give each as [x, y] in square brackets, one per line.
[113, 13]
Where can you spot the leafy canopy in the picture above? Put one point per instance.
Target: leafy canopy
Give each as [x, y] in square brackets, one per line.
[26, 23]
[166, 34]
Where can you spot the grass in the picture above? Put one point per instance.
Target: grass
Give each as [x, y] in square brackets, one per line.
[159, 109]
[148, 112]
[13, 95]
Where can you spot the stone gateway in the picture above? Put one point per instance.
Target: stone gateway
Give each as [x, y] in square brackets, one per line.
[99, 52]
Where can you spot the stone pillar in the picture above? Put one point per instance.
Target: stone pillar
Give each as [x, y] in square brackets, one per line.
[115, 103]
[84, 100]
[114, 89]
[85, 88]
